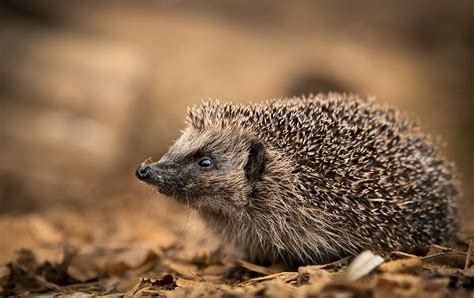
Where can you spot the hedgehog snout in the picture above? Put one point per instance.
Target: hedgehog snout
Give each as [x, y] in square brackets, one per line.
[143, 172]
[150, 173]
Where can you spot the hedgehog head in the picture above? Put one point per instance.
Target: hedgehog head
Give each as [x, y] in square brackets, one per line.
[213, 166]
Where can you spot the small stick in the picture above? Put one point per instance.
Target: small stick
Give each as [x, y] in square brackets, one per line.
[194, 275]
[147, 160]
[404, 254]
[468, 257]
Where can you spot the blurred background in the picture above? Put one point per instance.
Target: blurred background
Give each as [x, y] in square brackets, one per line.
[89, 89]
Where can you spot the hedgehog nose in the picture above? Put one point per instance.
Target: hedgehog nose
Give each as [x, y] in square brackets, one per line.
[143, 172]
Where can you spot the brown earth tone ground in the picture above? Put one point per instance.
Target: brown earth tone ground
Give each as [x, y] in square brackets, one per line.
[88, 90]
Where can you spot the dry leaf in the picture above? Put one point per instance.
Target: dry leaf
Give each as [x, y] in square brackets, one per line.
[402, 265]
[5, 274]
[452, 259]
[469, 273]
[148, 285]
[186, 283]
[404, 285]
[131, 259]
[313, 275]
[278, 288]
[90, 265]
[216, 270]
[342, 287]
[258, 269]
[185, 270]
[313, 279]
[362, 265]
[43, 231]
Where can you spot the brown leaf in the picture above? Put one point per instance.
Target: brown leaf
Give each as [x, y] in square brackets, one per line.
[404, 285]
[186, 283]
[5, 274]
[43, 231]
[458, 278]
[90, 265]
[153, 286]
[313, 275]
[26, 259]
[314, 279]
[452, 259]
[183, 269]
[259, 269]
[216, 270]
[343, 287]
[23, 281]
[401, 265]
[469, 272]
[58, 273]
[26, 275]
[278, 288]
[131, 259]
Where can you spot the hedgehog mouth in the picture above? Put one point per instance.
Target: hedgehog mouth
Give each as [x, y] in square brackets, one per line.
[163, 179]
[148, 174]
[152, 175]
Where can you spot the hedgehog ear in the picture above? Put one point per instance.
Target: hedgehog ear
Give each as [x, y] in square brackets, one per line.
[256, 161]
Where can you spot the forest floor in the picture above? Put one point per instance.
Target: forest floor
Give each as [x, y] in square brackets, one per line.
[125, 247]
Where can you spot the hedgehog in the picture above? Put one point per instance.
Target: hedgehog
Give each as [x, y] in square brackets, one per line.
[309, 180]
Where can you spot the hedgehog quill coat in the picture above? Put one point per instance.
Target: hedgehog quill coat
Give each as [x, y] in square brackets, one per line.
[309, 180]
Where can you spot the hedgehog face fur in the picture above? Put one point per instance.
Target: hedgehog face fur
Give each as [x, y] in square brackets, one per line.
[198, 167]
[309, 180]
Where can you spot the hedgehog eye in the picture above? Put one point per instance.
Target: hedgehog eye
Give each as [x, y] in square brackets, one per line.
[205, 162]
